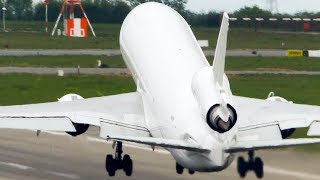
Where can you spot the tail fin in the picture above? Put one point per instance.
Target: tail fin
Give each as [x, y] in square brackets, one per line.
[221, 48]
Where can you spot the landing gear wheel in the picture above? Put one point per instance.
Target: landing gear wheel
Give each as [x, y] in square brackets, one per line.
[117, 162]
[110, 165]
[253, 164]
[179, 168]
[191, 172]
[258, 168]
[242, 167]
[127, 165]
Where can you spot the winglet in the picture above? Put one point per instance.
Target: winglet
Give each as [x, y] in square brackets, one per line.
[220, 54]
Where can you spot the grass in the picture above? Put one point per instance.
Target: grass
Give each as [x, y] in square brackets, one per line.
[25, 89]
[232, 63]
[30, 35]
[272, 63]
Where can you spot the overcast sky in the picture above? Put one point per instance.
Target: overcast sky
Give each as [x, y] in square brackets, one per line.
[285, 6]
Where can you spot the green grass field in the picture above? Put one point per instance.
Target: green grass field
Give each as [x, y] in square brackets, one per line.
[232, 63]
[30, 35]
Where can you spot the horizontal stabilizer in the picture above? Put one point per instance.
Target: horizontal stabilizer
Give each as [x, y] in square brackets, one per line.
[245, 146]
[165, 143]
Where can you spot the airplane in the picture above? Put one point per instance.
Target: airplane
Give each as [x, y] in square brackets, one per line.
[181, 103]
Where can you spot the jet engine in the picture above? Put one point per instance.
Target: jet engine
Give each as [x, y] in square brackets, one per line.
[80, 128]
[287, 132]
[221, 119]
[214, 101]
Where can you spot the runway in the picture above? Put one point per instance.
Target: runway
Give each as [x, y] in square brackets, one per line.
[124, 71]
[25, 156]
[114, 52]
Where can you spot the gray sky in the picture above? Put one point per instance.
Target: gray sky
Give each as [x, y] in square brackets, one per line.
[287, 6]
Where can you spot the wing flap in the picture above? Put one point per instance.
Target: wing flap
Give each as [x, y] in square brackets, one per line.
[165, 143]
[244, 146]
[37, 123]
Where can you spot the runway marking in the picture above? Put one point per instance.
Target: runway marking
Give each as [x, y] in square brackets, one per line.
[15, 165]
[70, 176]
[285, 172]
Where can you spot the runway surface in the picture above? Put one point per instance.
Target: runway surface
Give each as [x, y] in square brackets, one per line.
[114, 52]
[124, 71]
[25, 156]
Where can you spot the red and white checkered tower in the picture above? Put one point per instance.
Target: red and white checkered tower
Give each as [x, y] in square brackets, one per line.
[74, 27]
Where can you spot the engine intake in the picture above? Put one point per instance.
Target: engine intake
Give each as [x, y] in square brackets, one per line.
[221, 119]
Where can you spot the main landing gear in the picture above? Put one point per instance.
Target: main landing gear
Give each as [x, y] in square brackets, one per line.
[254, 164]
[116, 163]
[179, 169]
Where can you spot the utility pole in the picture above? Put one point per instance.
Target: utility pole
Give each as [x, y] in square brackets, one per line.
[4, 9]
[273, 6]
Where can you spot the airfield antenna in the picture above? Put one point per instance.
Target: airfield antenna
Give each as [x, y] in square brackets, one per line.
[273, 6]
[71, 4]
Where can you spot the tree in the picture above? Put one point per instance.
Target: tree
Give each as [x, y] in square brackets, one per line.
[252, 12]
[178, 5]
[19, 9]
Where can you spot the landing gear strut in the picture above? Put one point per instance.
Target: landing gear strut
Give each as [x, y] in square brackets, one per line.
[179, 169]
[253, 164]
[116, 163]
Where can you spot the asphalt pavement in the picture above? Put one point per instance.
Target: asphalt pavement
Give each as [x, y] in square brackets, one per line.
[23, 155]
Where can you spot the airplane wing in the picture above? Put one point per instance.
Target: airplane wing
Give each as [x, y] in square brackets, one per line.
[120, 118]
[118, 114]
[165, 143]
[261, 123]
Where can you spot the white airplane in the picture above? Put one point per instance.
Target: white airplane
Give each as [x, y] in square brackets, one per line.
[181, 104]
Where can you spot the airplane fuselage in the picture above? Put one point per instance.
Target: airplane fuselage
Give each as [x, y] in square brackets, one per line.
[163, 56]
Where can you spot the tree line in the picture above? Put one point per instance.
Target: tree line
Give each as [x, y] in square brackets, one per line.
[114, 11]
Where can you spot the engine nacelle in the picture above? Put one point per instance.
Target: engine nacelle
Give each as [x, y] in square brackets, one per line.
[272, 97]
[80, 128]
[287, 132]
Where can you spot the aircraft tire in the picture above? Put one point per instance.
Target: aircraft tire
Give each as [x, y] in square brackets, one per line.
[258, 168]
[127, 165]
[110, 165]
[242, 167]
[179, 168]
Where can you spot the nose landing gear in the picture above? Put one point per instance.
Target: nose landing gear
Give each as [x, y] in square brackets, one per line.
[253, 164]
[116, 163]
